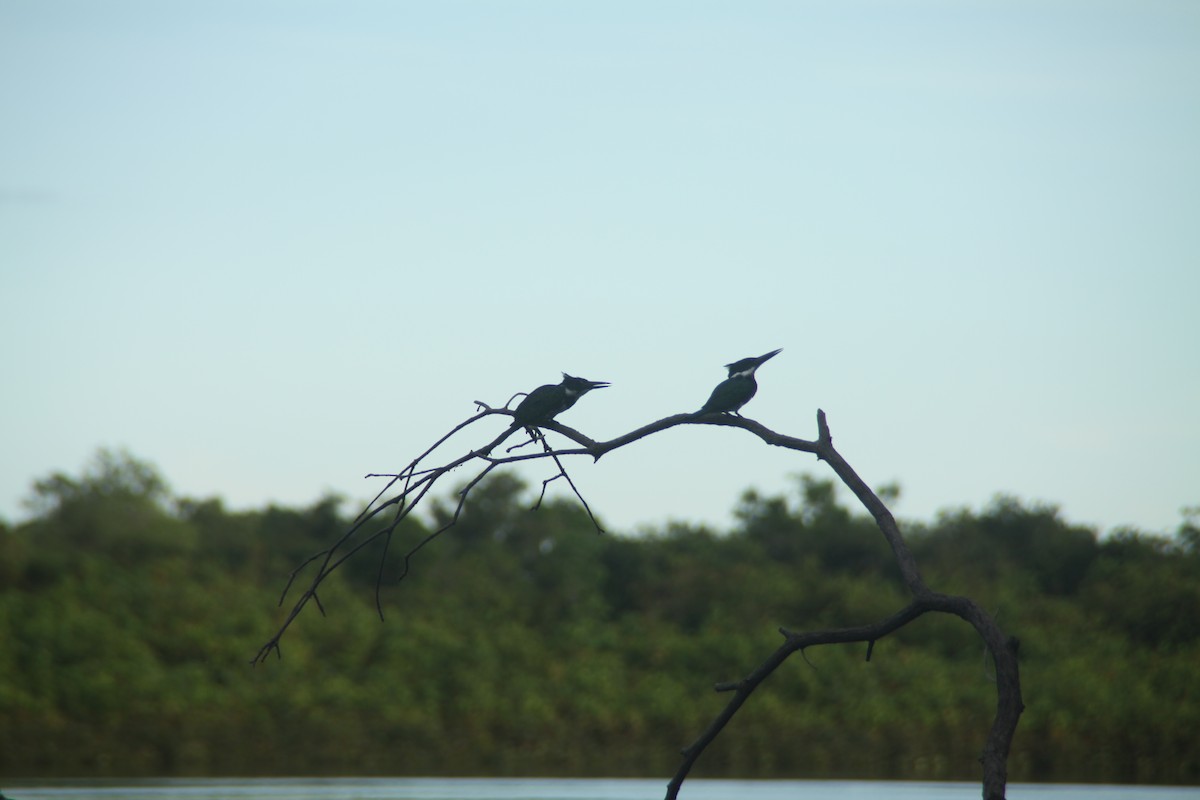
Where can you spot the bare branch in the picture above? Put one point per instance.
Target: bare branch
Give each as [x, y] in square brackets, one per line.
[416, 482]
[793, 642]
[562, 471]
[1008, 693]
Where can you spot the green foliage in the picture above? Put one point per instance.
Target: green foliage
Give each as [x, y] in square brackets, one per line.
[116, 507]
[525, 642]
[1147, 588]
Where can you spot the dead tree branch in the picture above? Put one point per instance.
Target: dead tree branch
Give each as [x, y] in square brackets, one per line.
[1003, 649]
[413, 484]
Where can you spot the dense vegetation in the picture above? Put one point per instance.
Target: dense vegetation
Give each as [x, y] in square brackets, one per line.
[526, 643]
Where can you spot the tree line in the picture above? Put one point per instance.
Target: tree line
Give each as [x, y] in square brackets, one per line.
[524, 643]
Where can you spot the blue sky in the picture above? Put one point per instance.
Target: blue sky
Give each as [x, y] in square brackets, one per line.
[273, 246]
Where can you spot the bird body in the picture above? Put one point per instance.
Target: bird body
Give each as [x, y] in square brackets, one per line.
[736, 390]
[546, 402]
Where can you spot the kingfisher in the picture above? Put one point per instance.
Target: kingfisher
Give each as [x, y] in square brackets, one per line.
[736, 390]
[547, 402]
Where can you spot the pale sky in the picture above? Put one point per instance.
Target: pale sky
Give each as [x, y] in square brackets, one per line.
[273, 246]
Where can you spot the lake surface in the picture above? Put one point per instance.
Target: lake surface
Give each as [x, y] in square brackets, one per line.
[554, 789]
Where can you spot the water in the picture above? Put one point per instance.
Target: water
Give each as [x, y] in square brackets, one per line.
[554, 789]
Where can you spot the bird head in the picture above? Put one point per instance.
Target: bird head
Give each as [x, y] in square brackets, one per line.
[577, 386]
[746, 366]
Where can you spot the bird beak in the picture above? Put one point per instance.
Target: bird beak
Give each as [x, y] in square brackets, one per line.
[598, 384]
[763, 359]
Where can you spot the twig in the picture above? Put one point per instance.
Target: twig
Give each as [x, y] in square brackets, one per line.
[563, 472]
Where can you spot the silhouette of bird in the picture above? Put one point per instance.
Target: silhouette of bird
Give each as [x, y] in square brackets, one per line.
[736, 390]
[547, 402]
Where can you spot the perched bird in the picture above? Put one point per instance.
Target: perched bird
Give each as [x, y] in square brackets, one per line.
[736, 390]
[547, 402]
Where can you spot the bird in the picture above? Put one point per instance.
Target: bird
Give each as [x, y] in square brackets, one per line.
[547, 402]
[736, 390]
